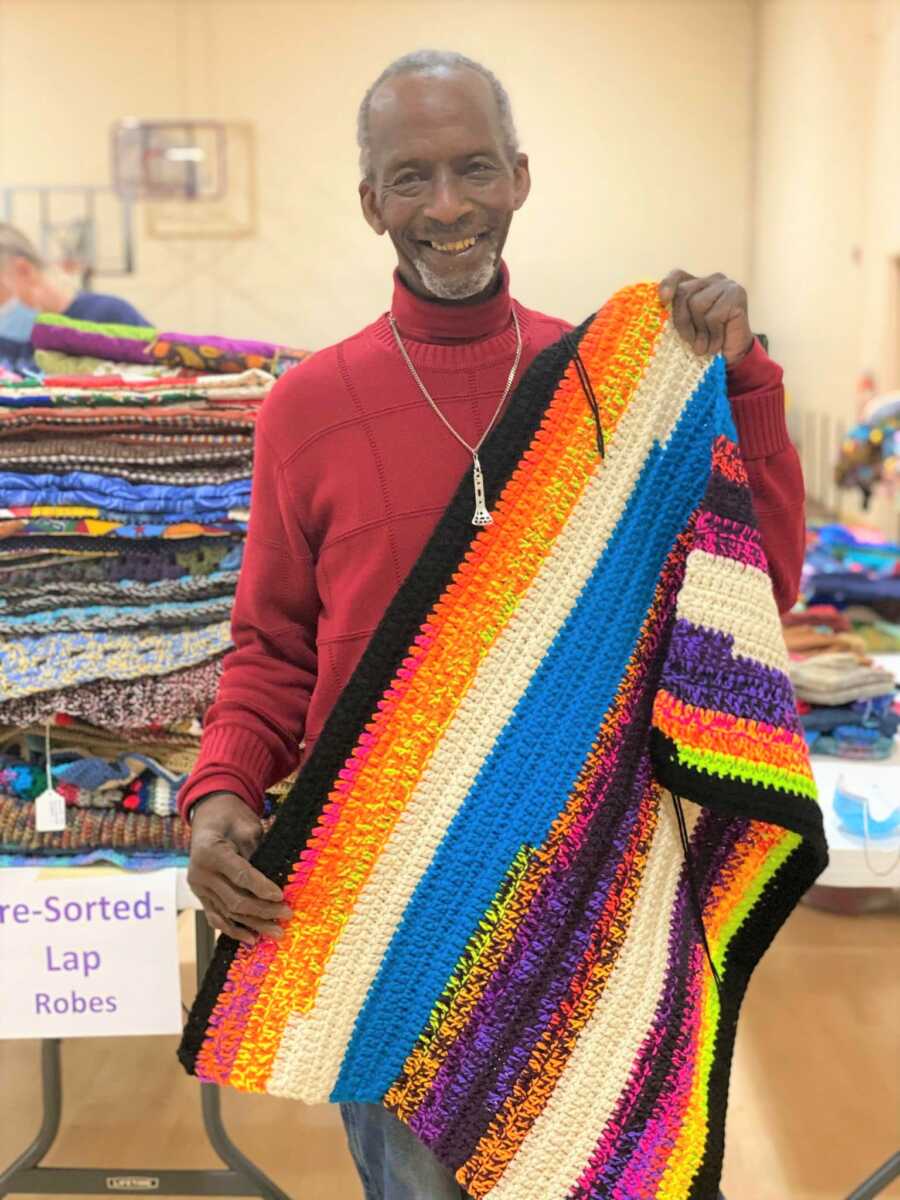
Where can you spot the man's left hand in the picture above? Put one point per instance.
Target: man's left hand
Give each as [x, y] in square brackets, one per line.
[710, 314]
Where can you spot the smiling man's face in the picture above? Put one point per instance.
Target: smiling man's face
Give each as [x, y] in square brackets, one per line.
[443, 185]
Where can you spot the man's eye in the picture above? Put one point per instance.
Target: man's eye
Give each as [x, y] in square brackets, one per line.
[407, 180]
[478, 168]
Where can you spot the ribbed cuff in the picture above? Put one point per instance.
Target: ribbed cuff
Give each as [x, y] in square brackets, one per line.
[761, 425]
[231, 759]
[754, 373]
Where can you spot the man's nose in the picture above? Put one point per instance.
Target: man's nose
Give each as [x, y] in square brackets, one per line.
[447, 204]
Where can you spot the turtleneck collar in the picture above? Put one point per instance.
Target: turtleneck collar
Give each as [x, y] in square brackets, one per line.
[430, 321]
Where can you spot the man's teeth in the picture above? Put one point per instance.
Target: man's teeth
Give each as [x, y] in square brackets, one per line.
[454, 247]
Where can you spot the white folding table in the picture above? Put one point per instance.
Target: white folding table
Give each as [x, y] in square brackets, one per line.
[853, 864]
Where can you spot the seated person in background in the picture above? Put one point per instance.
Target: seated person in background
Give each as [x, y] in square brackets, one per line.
[27, 288]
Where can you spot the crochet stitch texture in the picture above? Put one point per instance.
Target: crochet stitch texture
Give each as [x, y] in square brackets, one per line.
[496, 928]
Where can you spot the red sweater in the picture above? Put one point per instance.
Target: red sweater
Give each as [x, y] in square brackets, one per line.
[352, 471]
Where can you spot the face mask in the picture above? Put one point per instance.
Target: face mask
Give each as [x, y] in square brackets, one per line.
[16, 320]
[870, 812]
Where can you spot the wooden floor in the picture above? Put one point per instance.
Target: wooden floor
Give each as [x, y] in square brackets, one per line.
[815, 1102]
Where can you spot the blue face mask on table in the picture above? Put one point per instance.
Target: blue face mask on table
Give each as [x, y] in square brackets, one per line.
[875, 815]
[16, 320]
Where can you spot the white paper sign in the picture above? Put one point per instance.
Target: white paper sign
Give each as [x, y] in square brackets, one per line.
[89, 953]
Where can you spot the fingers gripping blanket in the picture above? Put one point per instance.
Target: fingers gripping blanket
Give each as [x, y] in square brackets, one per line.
[559, 812]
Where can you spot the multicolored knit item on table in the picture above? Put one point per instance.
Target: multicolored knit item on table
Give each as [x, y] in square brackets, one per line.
[90, 829]
[505, 927]
[208, 353]
[163, 391]
[132, 703]
[39, 664]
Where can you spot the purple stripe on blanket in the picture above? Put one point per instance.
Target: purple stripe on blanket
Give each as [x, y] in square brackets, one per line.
[698, 662]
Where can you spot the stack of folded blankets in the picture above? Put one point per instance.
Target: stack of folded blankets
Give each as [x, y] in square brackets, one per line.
[124, 492]
[851, 587]
[857, 570]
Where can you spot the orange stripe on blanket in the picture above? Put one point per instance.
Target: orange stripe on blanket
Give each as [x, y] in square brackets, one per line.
[754, 741]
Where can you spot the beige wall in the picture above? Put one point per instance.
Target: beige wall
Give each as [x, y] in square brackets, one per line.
[827, 215]
[637, 116]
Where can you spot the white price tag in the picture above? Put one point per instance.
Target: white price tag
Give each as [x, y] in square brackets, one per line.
[49, 811]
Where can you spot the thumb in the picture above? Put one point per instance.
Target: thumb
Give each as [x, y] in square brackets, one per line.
[246, 833]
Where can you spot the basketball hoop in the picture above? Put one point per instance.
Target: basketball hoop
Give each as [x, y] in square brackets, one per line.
[169, 160]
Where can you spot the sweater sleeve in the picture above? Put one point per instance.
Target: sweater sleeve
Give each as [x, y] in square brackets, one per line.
[756, 393]
[252, 732]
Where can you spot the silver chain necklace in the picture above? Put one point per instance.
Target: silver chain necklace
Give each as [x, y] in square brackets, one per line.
[482, 516]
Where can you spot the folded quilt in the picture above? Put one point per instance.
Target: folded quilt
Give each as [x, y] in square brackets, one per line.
[110, 525]
[133, 704]
[208, 353]
[55, 363]
[849, 745]
[559, 812]
[807, 640]
[101, 617]
[76, 558]
[840, 678]
[58, 660]
[882, 594]
[125, 343]
[175, 420]
[34, 597]
[90, 829]
[87, 452]
[86, 490]
[184, 477]
[875, 714]
[818, 615]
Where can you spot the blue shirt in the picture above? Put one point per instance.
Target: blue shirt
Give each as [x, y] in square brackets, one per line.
[108, 310]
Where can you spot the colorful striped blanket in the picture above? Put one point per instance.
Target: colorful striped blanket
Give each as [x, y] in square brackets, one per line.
[558, 813]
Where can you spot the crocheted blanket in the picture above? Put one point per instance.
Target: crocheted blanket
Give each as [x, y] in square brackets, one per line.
[559, 811]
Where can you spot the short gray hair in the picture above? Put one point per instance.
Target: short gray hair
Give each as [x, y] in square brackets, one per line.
[14, 244]
[433, 62]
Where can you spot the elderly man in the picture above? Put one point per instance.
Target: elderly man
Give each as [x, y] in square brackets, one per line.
[27, 288]
[360, 450]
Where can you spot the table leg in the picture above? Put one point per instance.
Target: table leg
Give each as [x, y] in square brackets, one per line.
[876, 1183]
[25, 1175]
[51, 1102]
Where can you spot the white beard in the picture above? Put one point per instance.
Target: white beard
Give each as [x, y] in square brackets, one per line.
[457, 289]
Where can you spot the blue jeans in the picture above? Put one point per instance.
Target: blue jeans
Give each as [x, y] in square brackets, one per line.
[392, 1163]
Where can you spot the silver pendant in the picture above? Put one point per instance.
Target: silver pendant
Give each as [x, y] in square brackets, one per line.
[482, 516]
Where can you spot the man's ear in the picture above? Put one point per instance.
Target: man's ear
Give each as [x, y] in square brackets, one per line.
[521, 180]
[369, 204]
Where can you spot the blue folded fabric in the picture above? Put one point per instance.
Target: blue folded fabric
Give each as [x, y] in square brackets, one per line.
[113, 493]
[17, 356]
[874, 715]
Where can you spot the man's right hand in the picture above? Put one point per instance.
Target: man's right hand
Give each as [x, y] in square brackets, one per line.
[237, 899]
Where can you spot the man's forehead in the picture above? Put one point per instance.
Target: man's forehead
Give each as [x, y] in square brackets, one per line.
[412, 103]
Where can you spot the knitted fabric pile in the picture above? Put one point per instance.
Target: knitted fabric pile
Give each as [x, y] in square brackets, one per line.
[124, 496]
[851, 585]
[537, 852]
